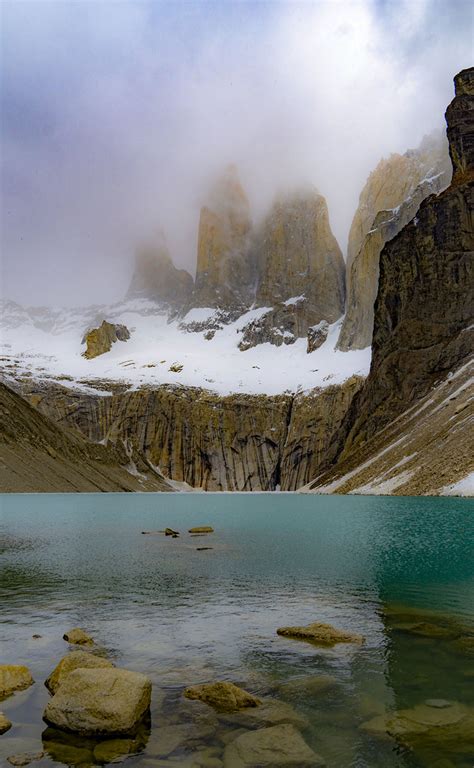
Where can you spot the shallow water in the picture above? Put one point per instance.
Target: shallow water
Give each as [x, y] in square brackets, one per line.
[182, 616]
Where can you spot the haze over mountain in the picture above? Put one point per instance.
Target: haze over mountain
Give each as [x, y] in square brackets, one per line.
[117, 118]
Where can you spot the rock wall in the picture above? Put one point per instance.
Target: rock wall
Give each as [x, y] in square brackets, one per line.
[233, 443]
[387, 203]
[156, 277]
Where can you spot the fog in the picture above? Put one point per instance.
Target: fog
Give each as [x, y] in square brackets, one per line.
[116, 117]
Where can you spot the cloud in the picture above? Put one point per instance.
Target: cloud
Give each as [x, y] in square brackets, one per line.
[117, 116]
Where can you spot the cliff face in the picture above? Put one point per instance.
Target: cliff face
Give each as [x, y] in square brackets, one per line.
[233, 443]
[424, 312]
[155, 276]
[226, 269]
[387, 203]
[37, 455]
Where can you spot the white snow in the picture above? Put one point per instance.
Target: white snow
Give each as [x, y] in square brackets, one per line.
[464, 487]
[155, 345]
[294, 300]
[385, 487]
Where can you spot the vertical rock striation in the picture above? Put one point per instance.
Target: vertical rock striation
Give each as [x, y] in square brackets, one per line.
[389, 200]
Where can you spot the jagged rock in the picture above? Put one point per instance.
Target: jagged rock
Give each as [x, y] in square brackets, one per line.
[279, 747]
[222, 696]
[225, 274]
[282, 324]
[105, 702]
[424, 312]
[5, 723]
[78, 636]
[389, 200]
[320, 634]
[14, 677]
[300, 259]
[317, 335]
[156, 277]
[100, 340]
[73, 660]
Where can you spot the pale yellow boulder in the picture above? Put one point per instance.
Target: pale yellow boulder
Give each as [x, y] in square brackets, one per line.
[14, 677]
[320, 634]
[78, 636]
[74, 660]
[222, 696]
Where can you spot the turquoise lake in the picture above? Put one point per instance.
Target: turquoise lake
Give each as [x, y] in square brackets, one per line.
[378, 566]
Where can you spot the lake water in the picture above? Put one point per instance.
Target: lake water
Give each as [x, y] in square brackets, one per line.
[374, 566]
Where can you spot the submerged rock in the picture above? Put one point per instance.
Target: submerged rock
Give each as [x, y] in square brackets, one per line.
[14, 677]
[309, 685]
[222, 696]
[25, 759]
[74, 660]
[269, 712]
[279, 747]
[201, 529]
[5, 723]
[100, 702]
[320, 634]
[78, 636]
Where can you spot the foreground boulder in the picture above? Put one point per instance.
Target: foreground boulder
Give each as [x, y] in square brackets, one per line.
[100, 340]
[222, 696]
[98, 702]
[5, 723]
[279, 747]
[74, 660]
[78, 637]
[14, 677]
[320, 634]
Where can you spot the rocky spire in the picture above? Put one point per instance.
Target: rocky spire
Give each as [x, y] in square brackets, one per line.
[225, 272]
[155, 276]
[460, 120]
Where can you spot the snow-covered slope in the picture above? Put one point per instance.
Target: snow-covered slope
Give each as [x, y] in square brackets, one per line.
[47, 344]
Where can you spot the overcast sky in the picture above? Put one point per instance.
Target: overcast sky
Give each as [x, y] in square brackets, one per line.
[117, 116]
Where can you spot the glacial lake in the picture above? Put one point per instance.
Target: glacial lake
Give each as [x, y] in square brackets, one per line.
[399, 571]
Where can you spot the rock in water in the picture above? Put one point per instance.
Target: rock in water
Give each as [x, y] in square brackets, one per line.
[225, 274]
[14, 677]
[222, 696]
[155, 276]
[25, 759]
[74, 660]
[202, 529]
[320, 634]
[100, 340]
[390, 198]
[94, 702]
[78, 636]
[5, 723]
[279, 747]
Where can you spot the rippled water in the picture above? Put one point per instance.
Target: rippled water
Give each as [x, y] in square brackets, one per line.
[184, 616]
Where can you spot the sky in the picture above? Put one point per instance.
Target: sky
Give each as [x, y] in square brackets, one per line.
[116, 117]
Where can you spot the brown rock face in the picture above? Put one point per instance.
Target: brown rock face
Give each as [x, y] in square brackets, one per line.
[156, 277]
[424, 312]
[225, 272]
[100, 340]
[460, 120]
[387, 203]
[299, 257]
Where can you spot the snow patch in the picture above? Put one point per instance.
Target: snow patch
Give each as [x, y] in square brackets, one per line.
[464, 487]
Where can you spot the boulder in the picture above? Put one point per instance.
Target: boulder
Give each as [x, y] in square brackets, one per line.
[100, 340]
[98, 702]
[222, 696]
[78, 637]
[74, 660]
[320, 634]
[5, 723]
[25, 758]
[279, 747]
[14, 677]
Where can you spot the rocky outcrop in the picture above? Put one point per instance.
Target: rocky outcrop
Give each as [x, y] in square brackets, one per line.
[317, 335]
[282, 324]
[100, 340]
[232, 443]
[389, 200]
[38, 455]
[225, 273]
[100, 702]
[155, 276]
[424, 317]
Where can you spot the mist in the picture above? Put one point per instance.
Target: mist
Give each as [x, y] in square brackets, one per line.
[117, 117]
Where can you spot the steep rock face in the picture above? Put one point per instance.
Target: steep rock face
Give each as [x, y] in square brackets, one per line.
[100, 340]
[225, 273]
[37, 455]
[156, 277]
[424, 312]
[387, 203]
[300, 259]
[238, 442]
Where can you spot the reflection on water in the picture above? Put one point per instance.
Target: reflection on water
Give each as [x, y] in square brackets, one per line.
[398, 571]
